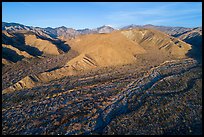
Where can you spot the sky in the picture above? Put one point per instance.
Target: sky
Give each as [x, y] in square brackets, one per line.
[80, 15]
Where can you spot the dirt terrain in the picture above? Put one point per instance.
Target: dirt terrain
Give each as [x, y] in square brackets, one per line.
[137, 81]
[106, 103]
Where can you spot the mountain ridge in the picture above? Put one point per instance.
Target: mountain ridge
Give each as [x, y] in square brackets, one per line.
[57, 31]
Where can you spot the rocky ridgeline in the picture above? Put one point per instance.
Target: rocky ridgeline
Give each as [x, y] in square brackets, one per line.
[62, 31]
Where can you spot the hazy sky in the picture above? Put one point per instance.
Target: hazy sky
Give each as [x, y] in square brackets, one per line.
[80, 15]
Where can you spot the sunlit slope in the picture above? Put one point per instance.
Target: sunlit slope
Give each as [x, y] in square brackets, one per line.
[42, 45]
[151, 39]
[104, 50]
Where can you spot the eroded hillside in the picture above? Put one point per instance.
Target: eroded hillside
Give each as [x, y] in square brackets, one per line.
[18, 45]
[113, 49]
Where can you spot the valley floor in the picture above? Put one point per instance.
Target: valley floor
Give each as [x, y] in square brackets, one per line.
[164, 99]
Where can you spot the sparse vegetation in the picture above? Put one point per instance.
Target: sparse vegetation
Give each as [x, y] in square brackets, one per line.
[134, 81]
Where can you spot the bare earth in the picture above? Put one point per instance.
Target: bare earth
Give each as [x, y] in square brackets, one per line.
[162, 100]
[135, 82]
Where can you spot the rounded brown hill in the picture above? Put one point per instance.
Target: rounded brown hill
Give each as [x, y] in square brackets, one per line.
[103, 50]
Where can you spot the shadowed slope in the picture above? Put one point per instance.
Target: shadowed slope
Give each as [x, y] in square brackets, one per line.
[32, 44]
[11, 55]
[194, 37]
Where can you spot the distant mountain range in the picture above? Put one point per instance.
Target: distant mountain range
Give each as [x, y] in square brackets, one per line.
[71, 32]
[62, 32]
[173, 31]
[66, 33]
